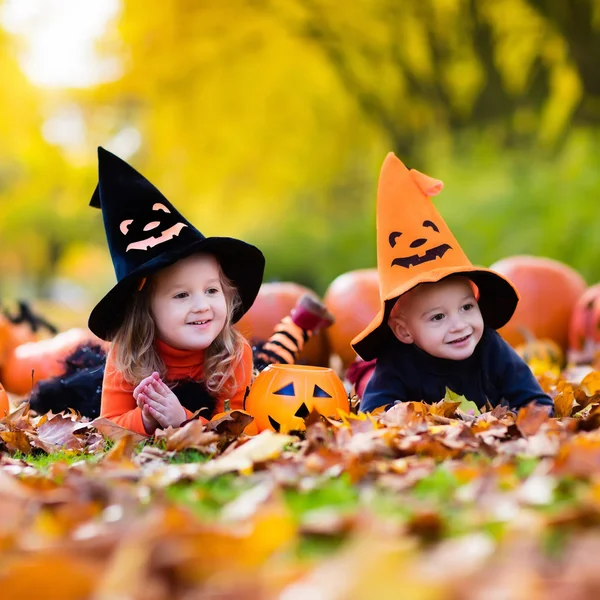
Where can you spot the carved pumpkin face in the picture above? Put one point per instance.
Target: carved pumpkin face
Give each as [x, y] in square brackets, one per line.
[161, 223]
[283, 395]
[425, 246]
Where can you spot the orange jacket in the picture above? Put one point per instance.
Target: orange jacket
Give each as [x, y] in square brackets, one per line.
[119, 406]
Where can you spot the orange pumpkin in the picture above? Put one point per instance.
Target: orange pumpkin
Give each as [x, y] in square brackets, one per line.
[21, 327]
[549, 291]
[283, 395]
[584, 327]
[275, 301]
[353, 299]
[4, 403]
[541, 351]
[34, 361]
[12, 335]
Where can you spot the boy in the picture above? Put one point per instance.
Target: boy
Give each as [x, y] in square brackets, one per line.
[436, 326]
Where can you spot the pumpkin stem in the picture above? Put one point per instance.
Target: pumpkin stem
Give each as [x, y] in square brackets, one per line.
[526, 333]
[227, 405]
[26, 315]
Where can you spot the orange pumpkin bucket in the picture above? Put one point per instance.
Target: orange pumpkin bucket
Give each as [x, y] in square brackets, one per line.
[283, 395]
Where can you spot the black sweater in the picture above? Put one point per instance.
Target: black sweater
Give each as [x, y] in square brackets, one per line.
[494, 372]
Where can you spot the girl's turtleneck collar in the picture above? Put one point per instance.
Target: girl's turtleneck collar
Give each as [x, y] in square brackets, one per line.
[178, 358]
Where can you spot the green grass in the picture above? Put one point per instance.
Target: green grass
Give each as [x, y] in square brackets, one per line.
[189, 456]
[42, 461]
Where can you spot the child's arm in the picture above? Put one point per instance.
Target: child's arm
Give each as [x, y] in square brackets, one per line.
[243, 378]
[513, 377]
[117, 402]
[385, 387]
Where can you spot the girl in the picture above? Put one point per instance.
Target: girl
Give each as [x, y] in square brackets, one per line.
[177, 332]
[170, 317]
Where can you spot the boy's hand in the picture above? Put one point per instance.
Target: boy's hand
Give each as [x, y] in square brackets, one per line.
[159, 402]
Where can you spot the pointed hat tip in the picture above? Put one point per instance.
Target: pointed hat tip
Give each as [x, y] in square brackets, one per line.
[392, 160]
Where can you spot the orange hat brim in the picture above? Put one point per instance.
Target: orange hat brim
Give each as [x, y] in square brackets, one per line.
[497, 301]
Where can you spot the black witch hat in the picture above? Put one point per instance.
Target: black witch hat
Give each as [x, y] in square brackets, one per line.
[145, 233]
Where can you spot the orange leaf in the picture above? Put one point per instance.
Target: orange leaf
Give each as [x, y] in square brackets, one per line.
[531, 418]
[563, 403]
[16, 440]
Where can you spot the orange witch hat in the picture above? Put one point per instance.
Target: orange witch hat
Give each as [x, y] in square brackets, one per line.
[414, 245]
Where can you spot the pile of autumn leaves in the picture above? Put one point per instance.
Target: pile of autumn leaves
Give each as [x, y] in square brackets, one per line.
[444, 503]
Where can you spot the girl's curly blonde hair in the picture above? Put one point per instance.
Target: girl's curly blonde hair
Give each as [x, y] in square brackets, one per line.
[136, 356]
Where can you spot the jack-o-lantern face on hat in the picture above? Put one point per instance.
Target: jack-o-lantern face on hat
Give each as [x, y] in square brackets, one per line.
[283, 395]
[426, 246]
[161, 223]
[412, 236]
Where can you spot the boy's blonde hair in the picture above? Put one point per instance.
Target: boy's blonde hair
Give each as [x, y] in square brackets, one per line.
[136, 356]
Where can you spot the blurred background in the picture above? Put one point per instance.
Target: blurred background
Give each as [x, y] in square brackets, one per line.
[269, 120]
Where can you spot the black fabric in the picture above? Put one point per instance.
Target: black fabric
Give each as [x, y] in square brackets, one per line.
[79, 387]
[497, 303]
[145, 233]
[494, 373]
[194, 396]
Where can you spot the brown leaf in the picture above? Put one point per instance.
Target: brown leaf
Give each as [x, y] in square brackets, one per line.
[192, 435]
[579, 457]
[19, 419]
[584, 400]
[234, 422]
[563, 402]
[16, 441]
[58, 433]
[406, 414]
[531, 418]
[592, 382]
[122, 450]
[263, 447]
[444, 408]
[115, 432]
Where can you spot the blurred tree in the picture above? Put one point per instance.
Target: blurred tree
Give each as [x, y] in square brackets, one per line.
[269, 119]
[39, 213]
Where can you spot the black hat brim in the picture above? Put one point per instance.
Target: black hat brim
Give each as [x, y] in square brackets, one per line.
[242, 263]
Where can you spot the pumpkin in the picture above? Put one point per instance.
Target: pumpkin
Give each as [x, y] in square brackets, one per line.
[584, 327]
[353, 299]
[34, 361]
[275, 301]
[21, 327]
[549, 291]
[4, 403]
[544, 351]
[282, 396]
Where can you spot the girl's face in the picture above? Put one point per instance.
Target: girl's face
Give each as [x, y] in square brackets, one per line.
[188, 304]
[441, 318]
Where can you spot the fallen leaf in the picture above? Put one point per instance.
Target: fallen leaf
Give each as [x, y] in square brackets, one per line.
[58, 433]
[192, 435]
[115, 432]
[531, 417]
[262, 447]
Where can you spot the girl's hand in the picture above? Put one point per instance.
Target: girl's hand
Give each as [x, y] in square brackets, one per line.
[161, 403]
[149, 422]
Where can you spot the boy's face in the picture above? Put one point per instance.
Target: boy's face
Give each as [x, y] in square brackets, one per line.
[442, 318]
